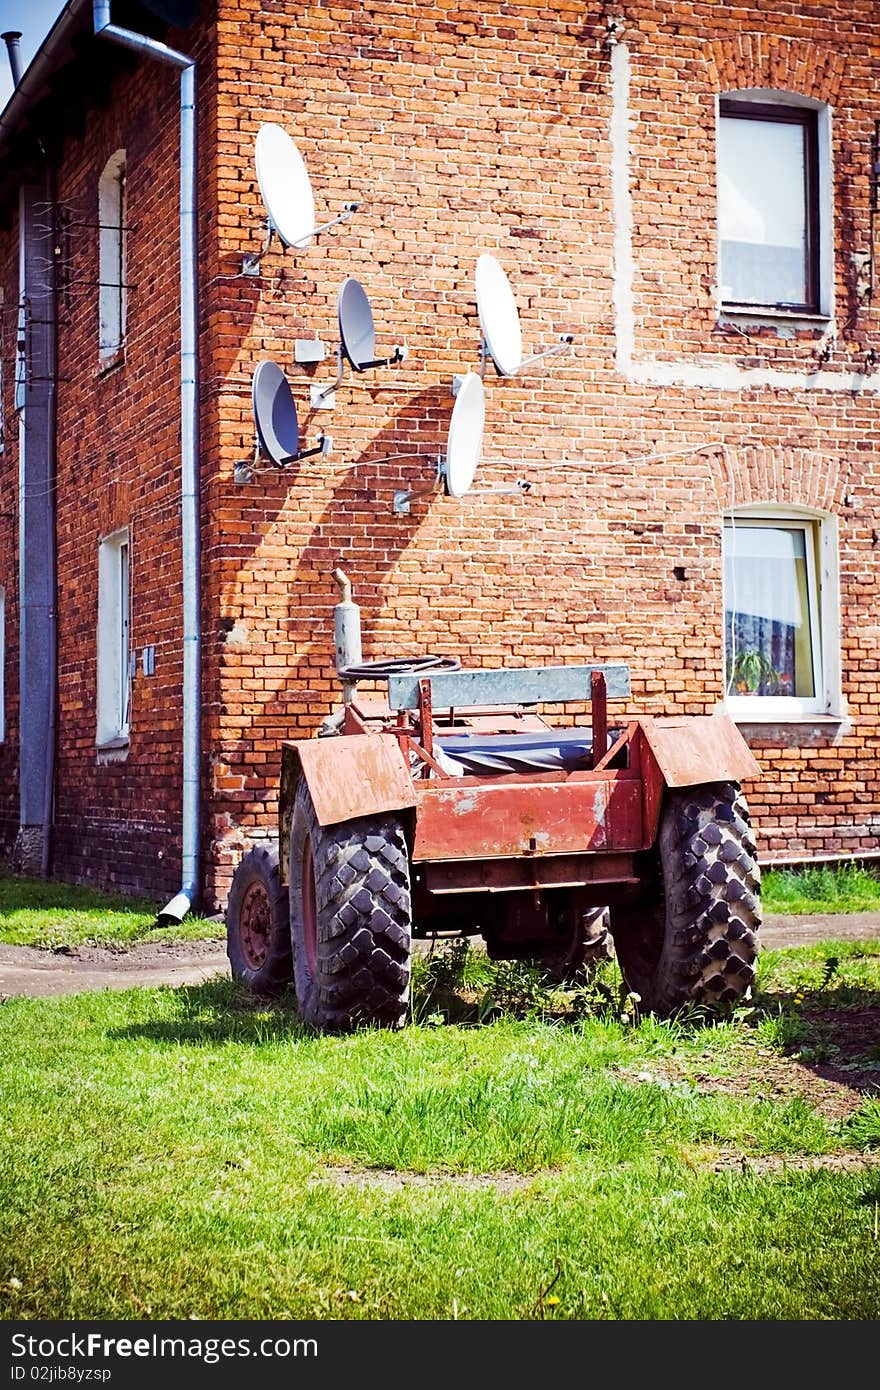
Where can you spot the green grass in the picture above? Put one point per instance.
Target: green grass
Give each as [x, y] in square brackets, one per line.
[51, 914]
[195, 1152]
[827, 888]
[47, 913]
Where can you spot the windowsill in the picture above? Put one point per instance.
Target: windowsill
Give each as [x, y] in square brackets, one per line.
[790, 730]
[111, 363]
[113, 750]
[770, 317]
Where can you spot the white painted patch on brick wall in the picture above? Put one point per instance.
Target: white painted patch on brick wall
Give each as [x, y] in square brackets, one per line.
[722, 375]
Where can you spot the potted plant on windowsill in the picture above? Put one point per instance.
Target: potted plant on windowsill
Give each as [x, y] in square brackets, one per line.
[754, 674]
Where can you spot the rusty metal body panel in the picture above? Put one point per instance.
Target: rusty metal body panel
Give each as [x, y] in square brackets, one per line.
[462, 825]
[694, 749]
[508, 817]
[354, 775]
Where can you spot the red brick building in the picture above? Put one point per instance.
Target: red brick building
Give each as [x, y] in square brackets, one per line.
[690, 191]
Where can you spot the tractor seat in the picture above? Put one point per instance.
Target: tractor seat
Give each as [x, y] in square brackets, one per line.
[464, 755]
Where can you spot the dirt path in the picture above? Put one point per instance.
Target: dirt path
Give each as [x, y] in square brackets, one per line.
[25, 971]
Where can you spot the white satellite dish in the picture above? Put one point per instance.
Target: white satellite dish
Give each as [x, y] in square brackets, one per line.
[499, 316]
[285, 186]
[500, 325]
[464, 449]
[276, 419]
[357, 340]
[464, 441]
[287, 194]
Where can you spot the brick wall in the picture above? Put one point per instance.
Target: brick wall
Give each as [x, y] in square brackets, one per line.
[117, 814]
[498, 128]
[580, 154]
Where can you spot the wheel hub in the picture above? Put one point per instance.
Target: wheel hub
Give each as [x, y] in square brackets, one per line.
[256, 926]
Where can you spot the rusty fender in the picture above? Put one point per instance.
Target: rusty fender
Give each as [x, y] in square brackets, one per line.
[348, 776]
[688, 751]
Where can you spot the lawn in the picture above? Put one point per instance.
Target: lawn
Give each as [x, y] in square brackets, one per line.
[50, 914]
[195, 1152]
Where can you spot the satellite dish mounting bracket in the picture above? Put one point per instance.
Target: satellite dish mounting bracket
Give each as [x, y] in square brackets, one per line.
[403, 496]
[251, 260]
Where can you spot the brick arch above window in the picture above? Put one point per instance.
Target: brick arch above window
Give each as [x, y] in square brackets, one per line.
[776, 63]
[787, 476]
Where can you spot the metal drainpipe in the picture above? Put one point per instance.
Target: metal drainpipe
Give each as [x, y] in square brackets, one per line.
[177, 908]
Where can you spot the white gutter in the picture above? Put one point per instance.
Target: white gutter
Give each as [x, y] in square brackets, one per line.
[178, 907]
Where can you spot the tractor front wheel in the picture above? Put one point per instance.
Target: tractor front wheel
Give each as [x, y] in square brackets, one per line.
[257, 925]
[350, 919]
[692, 936]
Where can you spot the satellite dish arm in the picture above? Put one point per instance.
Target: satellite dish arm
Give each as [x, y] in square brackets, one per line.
[398, 355]
[322, 447]
[564, 344]
[348, 209]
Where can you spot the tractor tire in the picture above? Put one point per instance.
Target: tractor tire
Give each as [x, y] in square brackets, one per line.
[258, 925]
[350, 919]
[692, 939]
[587, 947]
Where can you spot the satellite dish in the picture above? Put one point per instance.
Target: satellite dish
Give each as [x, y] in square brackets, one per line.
[276, 418]
[357, 341]
[500, 325]
[499, 316]
[357, 332]
[287, 194]
[464, 441]
[285, 186]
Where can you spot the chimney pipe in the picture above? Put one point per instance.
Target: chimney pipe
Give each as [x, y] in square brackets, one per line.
[11, 38]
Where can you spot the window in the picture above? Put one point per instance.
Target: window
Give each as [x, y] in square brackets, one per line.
[114, 664]
[780, 600]
[773, 187]
[112, 297]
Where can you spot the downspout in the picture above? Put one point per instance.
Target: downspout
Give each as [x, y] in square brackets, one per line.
[179, 905]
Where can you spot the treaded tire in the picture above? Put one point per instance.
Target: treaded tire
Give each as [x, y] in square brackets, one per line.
[693, 937]
[258, 925]
[350, 919]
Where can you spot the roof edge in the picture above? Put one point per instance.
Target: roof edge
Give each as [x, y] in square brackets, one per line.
[40, 66]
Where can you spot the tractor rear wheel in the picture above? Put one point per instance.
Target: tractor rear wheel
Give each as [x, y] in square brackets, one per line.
[692, 938]
[350, 919]
[257, 923]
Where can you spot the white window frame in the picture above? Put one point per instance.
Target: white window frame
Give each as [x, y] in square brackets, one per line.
[825, 198]
[824, 599]
[114, 639]
[112, 259]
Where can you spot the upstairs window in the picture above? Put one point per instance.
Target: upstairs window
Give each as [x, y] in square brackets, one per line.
[112, 297]
[114, 661]
[770, 205]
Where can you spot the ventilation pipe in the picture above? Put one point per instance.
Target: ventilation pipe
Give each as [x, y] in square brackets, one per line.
[11, 38]
[179, 906]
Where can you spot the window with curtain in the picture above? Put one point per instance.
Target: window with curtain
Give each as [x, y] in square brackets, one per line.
[768, 205]
[114, 640]
[773, 624]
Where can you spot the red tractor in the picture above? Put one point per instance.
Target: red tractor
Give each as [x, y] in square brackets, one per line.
[452, 805]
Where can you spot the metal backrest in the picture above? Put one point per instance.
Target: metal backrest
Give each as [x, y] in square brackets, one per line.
[526, 686]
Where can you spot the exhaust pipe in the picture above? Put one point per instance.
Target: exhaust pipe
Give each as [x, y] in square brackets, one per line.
[11, 38]
[346, 633]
